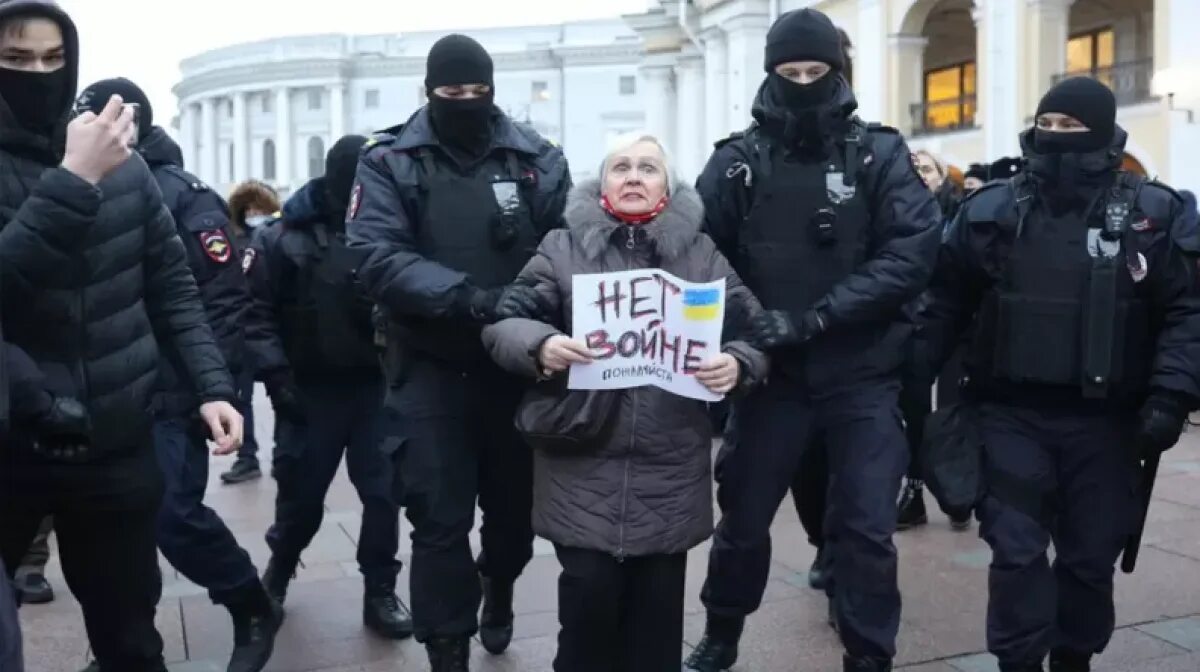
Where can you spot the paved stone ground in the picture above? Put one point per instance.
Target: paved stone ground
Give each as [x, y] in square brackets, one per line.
[942, 575]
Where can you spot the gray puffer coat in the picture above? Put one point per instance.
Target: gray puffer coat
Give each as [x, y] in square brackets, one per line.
[647, 489]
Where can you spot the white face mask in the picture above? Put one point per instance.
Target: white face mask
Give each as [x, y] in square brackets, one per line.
[257, 221]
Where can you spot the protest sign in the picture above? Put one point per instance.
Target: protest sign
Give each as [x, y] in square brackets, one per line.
[646, 327]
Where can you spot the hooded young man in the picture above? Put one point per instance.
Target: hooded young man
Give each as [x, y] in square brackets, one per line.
[447, 209]
[99, 292]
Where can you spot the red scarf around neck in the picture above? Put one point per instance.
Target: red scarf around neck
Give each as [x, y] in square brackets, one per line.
[634, 220]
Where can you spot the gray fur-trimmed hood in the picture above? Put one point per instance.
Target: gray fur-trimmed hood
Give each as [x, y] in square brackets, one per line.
[672, 232]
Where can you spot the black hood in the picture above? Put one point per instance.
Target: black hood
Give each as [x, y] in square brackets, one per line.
[160, 150]
[12, 135]
[775, 117]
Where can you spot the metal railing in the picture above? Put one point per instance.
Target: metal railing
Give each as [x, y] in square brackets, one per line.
[942, 116]
[1129, 81]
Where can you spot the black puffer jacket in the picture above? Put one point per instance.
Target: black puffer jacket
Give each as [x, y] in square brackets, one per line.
[98, 278]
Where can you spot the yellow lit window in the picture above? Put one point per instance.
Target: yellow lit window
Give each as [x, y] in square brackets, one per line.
[1092, 54]
[950, 97]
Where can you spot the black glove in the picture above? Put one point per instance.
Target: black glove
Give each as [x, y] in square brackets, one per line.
[1162, 419]
[772, 329]
[477, 304]
[63, 431]
[286, 398]
[523, 301]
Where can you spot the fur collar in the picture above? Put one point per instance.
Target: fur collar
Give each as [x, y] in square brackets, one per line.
[672, 232]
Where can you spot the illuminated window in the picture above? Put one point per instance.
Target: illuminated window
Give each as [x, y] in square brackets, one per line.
[1092, 54]
[950, 97]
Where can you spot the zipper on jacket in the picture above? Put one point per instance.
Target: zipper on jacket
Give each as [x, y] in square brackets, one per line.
[630, 240]
[625, 485]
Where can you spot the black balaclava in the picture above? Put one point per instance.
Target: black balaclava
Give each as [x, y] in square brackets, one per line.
[39, 102]
[96, 96]
[804, 35]
[341, 164]
[462, 124]
[1067, 163]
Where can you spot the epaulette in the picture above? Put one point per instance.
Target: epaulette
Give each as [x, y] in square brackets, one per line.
[385, 137]
[194, 183]
[1165, 187]
[736, 135]
[987, 190]
[876, 127]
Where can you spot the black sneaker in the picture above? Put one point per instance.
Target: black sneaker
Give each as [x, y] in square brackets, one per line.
[1062, 660]
[449, 654]
[278, 575]
[385, 614]
[496, 618]
[960, 523]
[256, 621]
[820, 572]
[244, 469]
[718, 649]
[35, 589]
[864, 664]
[912, 507]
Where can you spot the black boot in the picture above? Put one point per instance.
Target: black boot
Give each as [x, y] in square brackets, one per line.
[1062, 660]
[256, 620]
[384, 613]
[718, 649]
[820, 572]
[243, 469]
[1022, 667]
[449, 654]
[960, 523]
[280, 572]
[864, 664]
[496, 618]
[33, 588]
[912, 506]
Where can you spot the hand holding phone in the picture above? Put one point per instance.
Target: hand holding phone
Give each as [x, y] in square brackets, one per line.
[98, 144]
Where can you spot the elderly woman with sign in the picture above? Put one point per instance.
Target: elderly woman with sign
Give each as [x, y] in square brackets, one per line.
[622, 477]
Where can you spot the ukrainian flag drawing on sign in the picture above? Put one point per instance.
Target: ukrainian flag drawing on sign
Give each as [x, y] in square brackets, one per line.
[701, 305]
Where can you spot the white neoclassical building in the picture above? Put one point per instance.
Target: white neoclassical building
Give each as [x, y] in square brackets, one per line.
[958, 77]
[270, 109]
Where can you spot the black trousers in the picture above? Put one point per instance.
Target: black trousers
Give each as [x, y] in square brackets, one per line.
[104, 517]
[456, 444]
[619, 616]
[809, 489]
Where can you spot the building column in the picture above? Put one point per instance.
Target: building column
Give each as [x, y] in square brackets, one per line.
[716, 89]
[870, 76]
[209, 168]
[747, 44]
[241, 139]
[1049, 23]
[659, 85]
[283, 137]
[1176, 60]
[337, 112]
[189, 128]
[692, 143]
[997, 23]
[907, 54]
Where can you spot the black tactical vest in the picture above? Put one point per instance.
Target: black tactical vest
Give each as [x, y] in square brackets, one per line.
[1066, 312]
[327, 327]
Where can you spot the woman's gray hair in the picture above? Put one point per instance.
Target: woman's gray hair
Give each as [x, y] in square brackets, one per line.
[625, 141]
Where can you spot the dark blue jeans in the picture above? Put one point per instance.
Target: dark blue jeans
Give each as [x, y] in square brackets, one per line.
[1067, 478]
[344, 417]
[192, 536]
[867, 455]
[245, 406]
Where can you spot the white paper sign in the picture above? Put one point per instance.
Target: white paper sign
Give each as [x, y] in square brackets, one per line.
[646, 327]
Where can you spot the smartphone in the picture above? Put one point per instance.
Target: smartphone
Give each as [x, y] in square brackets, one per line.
[137, 117]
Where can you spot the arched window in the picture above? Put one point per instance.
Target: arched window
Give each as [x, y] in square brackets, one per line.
[316, 157]
[269, 160]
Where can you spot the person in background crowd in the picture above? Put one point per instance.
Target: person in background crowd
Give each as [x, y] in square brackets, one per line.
[621, 591]
[1003, 169]
[974, 178]
[252, 204]
[192, 536]
[1085, 358]
[796, 191]
[30, 578]
[96, 292]
[322, 374]
[447, 209]
[935, 175]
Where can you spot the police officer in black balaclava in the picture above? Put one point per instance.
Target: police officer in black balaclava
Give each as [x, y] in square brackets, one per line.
[1084, 357]
[828, 223]
[447, 209]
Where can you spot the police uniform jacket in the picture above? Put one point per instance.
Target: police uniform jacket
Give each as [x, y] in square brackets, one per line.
[1157, 315]
[887, 232]
[202, 222]
[389, 203]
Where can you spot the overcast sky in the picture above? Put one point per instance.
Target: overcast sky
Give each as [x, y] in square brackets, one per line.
[144, 40]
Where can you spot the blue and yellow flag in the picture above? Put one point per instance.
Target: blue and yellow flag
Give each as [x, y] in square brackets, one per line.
[701, 305]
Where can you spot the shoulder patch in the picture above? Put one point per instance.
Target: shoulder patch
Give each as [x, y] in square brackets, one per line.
[216, 245]
[355, 201]
[248, 258]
